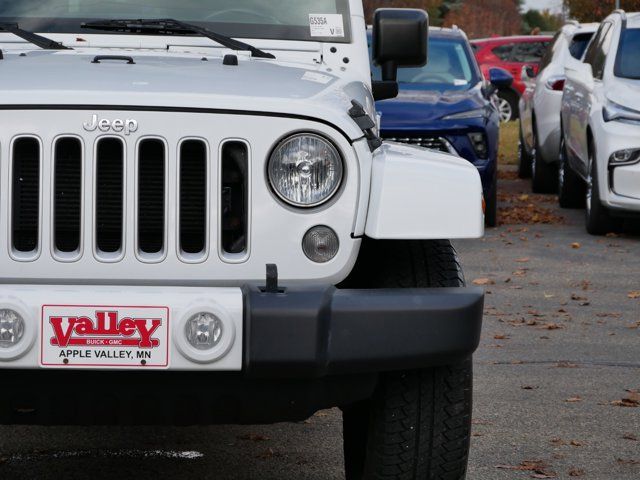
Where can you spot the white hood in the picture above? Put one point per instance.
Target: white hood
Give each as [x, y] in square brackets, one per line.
[176, 80]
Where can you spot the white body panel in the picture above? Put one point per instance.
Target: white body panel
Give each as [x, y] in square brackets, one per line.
[540, 105]
[181, 302]
[419, 195]
[584, 100]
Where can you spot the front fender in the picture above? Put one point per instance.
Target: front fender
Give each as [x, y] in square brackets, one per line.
[423, 194]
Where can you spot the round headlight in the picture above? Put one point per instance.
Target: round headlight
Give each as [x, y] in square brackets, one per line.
[305, 170]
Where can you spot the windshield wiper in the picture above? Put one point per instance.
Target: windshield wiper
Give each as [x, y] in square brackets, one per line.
[38, 40]
[169, 26]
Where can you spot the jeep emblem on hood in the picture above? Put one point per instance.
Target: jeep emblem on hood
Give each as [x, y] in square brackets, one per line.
[118, 125]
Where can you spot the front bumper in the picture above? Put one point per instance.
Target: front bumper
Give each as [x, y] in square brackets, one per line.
[619, 185]
[323, 332]
[297, 332]
[302, 349]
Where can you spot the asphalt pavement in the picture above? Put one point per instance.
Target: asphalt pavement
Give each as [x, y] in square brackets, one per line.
[555, 378]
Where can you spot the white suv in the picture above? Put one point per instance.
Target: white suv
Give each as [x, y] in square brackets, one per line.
[600, 159]
[540, 106]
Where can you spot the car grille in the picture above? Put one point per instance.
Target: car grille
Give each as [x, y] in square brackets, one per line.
[431, 142]
[108, 161]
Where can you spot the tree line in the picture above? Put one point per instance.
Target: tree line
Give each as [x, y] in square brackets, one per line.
[484, 18]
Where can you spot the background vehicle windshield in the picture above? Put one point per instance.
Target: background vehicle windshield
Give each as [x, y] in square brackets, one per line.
[273, 19]
[628, 60]
[450, 67]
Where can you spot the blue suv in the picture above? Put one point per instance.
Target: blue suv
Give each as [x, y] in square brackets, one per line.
[448, 106]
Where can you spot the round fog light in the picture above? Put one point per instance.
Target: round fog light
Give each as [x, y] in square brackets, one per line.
[11, 328]
[320, 244]
[203, 331]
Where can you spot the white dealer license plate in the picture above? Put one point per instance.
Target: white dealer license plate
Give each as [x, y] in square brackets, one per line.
[95, 336]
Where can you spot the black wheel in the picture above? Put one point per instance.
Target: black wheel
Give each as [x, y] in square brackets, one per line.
[571, 188]
[524, 159]
[598, 218]
[417, 425]
[507, 105]
[544, 176]
[491, 209]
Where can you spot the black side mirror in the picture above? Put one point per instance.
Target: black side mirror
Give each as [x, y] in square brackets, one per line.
[500, 78]
[399, 39]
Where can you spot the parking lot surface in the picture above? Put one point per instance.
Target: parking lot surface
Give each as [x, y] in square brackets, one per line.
[556, 377]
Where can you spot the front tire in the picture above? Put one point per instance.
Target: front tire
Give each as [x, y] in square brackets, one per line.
[524, 159]
[417, 425]
[544, 176]
[507, 106]
[571, 188]
[598, 219]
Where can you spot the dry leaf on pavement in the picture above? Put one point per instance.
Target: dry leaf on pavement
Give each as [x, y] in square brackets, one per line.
[483, 281]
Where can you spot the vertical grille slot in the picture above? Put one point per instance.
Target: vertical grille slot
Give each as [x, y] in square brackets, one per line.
[193, 197]
[109, 195]
[25, 214]
[151, 196]
[67, 194]
[234, 198]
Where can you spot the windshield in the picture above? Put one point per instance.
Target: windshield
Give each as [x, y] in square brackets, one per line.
[628, 60]
[317, 20]
[450, 67]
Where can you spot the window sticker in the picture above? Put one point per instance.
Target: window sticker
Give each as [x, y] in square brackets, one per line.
[326, 25]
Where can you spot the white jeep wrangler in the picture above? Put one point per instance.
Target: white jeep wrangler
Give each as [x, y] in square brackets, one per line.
[197, 214]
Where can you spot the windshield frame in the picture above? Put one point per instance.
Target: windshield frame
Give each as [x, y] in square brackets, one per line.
[617, 69]
[69, 25]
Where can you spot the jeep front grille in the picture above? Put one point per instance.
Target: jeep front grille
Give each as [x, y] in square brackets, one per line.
[431, 142]
[109, 209]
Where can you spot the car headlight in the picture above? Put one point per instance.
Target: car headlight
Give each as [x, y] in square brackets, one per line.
[477, 113]
[613, 111]
[305, 170]
[628, 156]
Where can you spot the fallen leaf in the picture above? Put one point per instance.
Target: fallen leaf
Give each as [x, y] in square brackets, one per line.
[501, 336]
[630, 436]
[628, 461]
[632, 400]
[575, 399]
[578, 298]
[538, 468]
[522, 260]
[529, 387]
[576, 472]
[575, 245]
[551, 326]
[634, 294]
[566, 365]
[483, 281]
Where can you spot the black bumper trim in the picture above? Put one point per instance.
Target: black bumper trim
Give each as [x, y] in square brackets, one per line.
[312, 333]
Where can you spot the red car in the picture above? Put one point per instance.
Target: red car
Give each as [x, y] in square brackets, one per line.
[510, 54]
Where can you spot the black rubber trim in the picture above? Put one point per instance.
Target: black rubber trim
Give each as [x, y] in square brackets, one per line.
[143, 108]
[317, 332]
